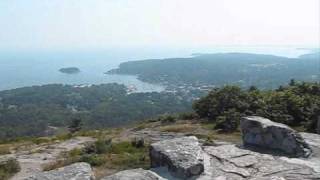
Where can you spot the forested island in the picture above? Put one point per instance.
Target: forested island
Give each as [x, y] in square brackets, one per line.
[70, 70]
[214, 70]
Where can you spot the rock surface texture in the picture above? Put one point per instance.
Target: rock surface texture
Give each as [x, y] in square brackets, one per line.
[186, 159]
[182, 156]
[226, 161]
[318, 125]
[264, 133]
[233, 162]
[136, 174]
[32, 163]
[77, 171]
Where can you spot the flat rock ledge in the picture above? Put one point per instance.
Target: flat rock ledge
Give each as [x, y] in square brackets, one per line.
[182, 156]
[264, 133]
[134, 174]
[318, 125]
[77, 171]
[234, 162]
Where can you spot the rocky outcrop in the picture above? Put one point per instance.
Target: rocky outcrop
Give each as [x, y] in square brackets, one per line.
[234, 162]
[264, 133]
[188, 159]
[134, 174]
[77, 171]
[182, 156]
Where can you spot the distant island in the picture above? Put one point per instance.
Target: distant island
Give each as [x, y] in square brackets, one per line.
[70, 70]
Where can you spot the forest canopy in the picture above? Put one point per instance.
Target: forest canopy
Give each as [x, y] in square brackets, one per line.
[30, 111]
[297, 105]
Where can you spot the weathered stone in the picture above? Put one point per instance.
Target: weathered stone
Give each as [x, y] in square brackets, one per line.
[264, 133]
[155, 136]
[183, 156]
[77, 171]
[318, 125]
[233, 162]
[134, 174]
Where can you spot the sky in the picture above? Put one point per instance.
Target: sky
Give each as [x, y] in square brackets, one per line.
[99, 24]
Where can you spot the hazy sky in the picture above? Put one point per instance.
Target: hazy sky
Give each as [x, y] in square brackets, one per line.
[95, 24]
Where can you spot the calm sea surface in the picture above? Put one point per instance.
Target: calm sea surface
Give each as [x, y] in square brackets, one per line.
[20, 69]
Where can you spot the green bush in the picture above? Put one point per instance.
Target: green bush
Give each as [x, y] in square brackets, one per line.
[93, 159]
[41, 140]
[101, 146]
[8, 168]
[167, 118]
[188, 116]
[229, 121]
[295, 105]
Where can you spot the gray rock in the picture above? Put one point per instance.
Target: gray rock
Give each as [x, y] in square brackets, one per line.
[318, 125]
[154, 136]
[264, 133]
[77, 171]
[183, 156]
[134, 174]
[233, 162]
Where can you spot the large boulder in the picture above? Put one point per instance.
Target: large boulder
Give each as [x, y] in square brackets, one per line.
[136, 174]
[182, 156]
[77, 171]
[264, 133]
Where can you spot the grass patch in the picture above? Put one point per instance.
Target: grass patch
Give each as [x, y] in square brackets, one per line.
[8, 168]
[119, 156]
[41, 140]
[140, 126]
[208, 126]
[182, 128]
[234, 137]
[124, 155]
[4, 149]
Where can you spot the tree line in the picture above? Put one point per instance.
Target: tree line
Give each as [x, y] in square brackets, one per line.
[297, 105]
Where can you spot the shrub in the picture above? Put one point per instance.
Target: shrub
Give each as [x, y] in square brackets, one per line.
[188, 116]
[137, 142]
[229, 121]
[8, 167]
[101, 146]
[63, 137]
[93, 159]
[41, 140]
[294, 105]
[167, 118]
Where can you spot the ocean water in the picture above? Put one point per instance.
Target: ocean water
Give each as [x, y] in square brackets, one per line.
[20, 69]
